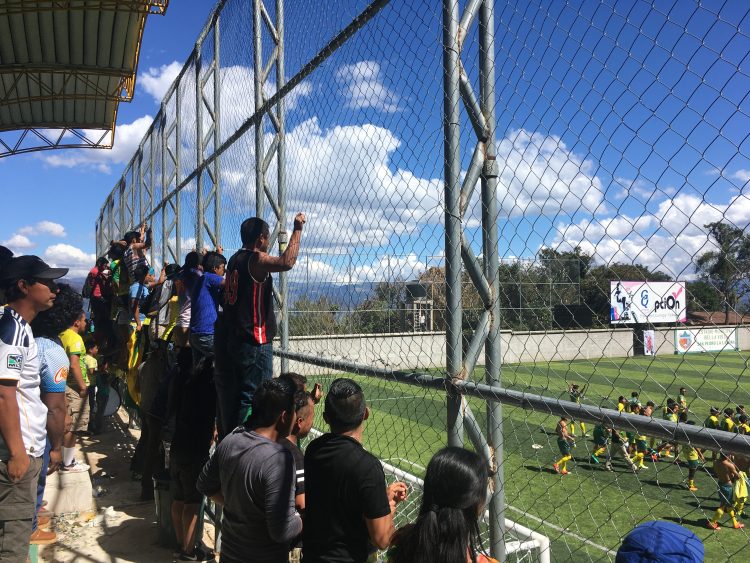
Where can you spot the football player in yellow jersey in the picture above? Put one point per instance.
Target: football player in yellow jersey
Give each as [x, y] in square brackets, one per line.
[742, 425]
[726, 475]
[649, 412]
[683, 406]
[739, 410]
[671, 415]
[712, 422]
[564, 442]
[727, 424]
[641, 447]
[621, 404]
[576, 394]
[694, 457]
[601, 439]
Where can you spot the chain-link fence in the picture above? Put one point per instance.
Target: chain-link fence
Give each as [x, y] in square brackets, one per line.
[505, 200]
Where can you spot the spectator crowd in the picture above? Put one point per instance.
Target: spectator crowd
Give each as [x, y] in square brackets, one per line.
[191, 351]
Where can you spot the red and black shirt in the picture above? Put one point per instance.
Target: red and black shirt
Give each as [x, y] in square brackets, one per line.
[248, 303]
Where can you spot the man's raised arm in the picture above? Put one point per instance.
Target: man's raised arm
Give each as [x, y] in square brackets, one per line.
[271, 264]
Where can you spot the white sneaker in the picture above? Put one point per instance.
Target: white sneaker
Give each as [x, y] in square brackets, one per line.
[76, 467]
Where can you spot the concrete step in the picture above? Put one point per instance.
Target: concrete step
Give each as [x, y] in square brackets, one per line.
[69, 492]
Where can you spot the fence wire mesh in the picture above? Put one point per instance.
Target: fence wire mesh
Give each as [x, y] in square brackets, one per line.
[621, 155]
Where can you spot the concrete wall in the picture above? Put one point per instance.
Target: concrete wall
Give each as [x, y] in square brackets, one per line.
[426, 350]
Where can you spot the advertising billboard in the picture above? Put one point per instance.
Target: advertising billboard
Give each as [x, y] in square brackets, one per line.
[689, 340]
[633, 302]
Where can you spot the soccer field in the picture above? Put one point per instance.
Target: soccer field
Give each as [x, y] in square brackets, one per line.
[586, 513]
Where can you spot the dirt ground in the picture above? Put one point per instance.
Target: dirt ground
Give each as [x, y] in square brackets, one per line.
[120, 527]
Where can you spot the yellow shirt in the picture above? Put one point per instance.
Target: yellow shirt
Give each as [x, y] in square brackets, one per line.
[91, 366]
[727, 425]
[620, 407]
[692, 454]
[73, 344]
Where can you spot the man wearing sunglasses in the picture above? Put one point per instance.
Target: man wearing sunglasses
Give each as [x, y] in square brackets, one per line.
[29, 287]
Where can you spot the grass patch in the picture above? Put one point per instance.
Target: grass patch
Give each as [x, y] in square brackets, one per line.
[407, 427]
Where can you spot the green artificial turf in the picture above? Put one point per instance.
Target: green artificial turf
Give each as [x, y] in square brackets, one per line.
[407, 427]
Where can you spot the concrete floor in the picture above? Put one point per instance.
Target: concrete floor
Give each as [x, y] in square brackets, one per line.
[120, 527]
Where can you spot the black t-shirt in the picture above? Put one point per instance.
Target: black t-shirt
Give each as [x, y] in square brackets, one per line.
[299, 466]
[345, 484]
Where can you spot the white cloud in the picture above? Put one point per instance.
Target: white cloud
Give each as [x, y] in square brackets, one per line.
[364, 88]
[44, 227]
[313, 268]
[127, 138]
[66, 256]
[18, 243]
[669, 239]
[539, 175]
[343, 180]
[238, 96]
[157, 80]
[741, 175]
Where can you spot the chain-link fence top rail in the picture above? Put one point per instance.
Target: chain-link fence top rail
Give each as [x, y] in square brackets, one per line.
[622, 155]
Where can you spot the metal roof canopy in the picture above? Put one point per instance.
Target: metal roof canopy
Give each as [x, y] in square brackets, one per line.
[64, 67]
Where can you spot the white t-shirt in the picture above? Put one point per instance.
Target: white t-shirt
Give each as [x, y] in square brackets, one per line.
[19, 361]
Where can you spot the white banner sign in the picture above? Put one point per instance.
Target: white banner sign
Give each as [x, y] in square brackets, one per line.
[633, 302]
[649, 349]
[688, 340]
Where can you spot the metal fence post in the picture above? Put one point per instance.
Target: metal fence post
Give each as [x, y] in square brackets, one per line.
[281, 171]
[217, 131]
[493, 357]
[452, 166]
[199, 148]
[258, 81]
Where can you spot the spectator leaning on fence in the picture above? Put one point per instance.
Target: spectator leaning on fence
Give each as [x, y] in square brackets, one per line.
[249, 324]
[29, 288]
[447, 528]
[252, 475]
[204, 297]
[348, 508]
[136, 243]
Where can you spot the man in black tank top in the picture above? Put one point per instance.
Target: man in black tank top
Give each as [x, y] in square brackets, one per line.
[246, 329]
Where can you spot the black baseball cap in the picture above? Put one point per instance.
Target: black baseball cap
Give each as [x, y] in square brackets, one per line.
[29, 268]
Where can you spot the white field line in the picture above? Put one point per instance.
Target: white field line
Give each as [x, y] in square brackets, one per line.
[561, 530]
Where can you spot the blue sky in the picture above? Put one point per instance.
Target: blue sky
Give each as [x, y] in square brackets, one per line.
[70, 197]
[621, 127]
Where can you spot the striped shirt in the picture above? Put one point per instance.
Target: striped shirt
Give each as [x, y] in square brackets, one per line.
[19, 362]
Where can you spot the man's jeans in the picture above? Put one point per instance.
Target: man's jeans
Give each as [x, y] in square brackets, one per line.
[242, 369]
[203, 349]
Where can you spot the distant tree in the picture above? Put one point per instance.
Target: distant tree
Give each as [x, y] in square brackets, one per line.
[564, 272]
[595, 288]
[309, 317]
[379, 313]
[702, 296]
[728, 267]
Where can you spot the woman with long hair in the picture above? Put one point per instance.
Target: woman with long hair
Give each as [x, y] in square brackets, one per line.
[447, 528]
